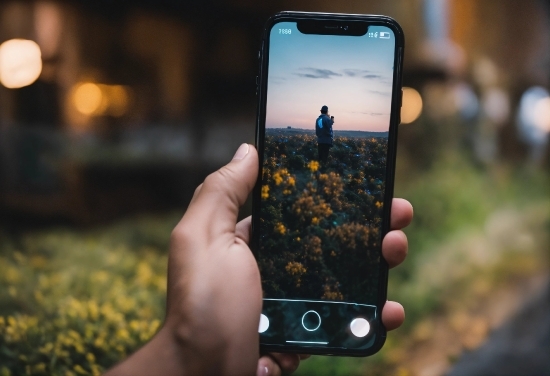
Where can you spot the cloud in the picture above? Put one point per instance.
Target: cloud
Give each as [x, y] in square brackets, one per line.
[384, 93]
[371, 76]
[356, 72]
[277, 79]
[327, 73]
[361, 73]
[317, 73]
[369, 113]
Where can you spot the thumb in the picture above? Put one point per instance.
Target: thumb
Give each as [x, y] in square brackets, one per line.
[215, 207]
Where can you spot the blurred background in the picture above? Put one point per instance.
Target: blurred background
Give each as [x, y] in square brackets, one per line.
[112, 112]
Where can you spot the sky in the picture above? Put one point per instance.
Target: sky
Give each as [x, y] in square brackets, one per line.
[351, 75]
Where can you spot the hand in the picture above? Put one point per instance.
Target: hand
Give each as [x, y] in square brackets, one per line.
[394, 250]
[214, 291]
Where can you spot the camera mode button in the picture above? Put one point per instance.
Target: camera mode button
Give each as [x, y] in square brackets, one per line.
[264, 323]
[311, 321]
[360, 327]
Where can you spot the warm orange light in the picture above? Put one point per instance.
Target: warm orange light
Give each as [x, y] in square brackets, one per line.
[412, 105]
[118, 99]
[87, 98]
[92, 99]
[20, 63]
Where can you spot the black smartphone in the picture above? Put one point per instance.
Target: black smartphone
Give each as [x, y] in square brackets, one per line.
[329, 93]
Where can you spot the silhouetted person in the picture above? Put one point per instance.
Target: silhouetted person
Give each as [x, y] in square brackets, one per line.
[323, 130]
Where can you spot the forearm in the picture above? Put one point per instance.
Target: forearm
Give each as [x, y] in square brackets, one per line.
[170, 354]
[160, 356]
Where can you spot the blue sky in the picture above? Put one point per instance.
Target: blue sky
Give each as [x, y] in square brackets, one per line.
[351, 75]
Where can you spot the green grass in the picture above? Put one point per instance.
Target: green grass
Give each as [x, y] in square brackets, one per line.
[470, 224]
[75, 302]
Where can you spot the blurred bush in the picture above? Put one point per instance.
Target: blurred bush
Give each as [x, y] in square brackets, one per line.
[476, 231]
[77, 302]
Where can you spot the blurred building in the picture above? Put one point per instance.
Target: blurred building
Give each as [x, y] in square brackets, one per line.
[128, 105]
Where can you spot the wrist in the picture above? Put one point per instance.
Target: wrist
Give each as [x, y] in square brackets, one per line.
[162, 355]
[210, 349]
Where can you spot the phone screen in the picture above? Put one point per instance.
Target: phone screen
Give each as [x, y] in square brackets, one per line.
[325, 151]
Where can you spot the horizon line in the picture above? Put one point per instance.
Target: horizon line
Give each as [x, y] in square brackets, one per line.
[338, 130]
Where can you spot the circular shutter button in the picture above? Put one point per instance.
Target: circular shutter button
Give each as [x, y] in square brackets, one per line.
[311, 321]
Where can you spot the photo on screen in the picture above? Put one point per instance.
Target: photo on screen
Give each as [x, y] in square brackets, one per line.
[324, 164]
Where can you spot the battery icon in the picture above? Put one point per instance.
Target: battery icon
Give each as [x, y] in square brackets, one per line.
[384, 35]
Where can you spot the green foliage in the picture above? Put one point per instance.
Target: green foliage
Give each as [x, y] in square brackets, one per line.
[472, 227]
[73, 303]
[451, 199]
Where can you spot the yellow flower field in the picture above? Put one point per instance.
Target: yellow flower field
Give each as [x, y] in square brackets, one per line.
[75, 304]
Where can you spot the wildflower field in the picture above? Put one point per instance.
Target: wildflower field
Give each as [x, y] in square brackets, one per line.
[76, 301]
[320, 222]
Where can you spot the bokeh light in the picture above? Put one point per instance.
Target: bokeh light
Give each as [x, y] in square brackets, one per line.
[541, 114]
[20, 63]
[496, 105]
[412, 105]
[93, 99]
[87, 98]
[464, 100]
[533, 115]
[118, 98]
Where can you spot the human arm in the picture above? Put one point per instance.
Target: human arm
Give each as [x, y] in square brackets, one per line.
[214, 291]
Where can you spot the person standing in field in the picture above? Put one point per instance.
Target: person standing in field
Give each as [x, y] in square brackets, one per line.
[323, 130]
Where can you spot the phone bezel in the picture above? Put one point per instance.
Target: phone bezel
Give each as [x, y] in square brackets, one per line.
[373, 20]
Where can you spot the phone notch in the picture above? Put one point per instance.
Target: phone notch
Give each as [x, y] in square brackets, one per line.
[332, 27]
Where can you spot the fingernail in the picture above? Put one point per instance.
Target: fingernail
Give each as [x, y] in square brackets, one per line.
[242, 151]
[262, 370]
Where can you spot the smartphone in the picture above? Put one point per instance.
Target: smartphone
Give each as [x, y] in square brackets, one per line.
[329, 93]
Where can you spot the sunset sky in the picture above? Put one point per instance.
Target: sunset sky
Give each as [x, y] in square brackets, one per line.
[351, 75]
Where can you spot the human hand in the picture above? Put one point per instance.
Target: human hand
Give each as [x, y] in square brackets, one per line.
[214, 296]
[214, 290]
